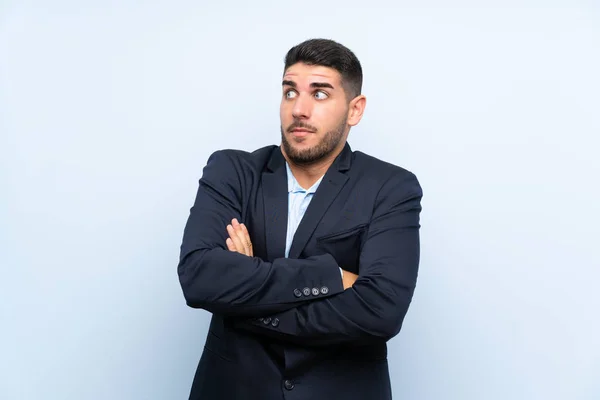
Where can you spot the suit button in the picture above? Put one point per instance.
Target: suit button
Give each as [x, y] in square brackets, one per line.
[289, 385]
[297, 293]
[306, 291]
[267, 321]
[324, 290]
[261, 319]
[315, 291]
[275, 322]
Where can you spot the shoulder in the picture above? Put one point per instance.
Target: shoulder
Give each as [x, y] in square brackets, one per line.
[234, 172]
[382, 172]
[228, 160]
[393, 187]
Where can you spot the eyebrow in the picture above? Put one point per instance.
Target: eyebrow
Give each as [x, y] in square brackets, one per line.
[313, 85]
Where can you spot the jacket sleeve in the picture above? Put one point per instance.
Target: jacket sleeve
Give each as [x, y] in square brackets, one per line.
[373, 309]
[231, 284]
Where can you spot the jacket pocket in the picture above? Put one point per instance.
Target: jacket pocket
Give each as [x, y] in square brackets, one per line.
[344, 246]
[342, 234]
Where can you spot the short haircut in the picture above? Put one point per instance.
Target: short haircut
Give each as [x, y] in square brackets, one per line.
[328, 53]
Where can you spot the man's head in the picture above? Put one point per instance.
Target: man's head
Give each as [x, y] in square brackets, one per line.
[321, 100]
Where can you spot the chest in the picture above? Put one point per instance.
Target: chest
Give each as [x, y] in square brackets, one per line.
[323, 222]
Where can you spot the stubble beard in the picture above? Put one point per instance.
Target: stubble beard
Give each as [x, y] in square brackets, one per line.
[318, 152]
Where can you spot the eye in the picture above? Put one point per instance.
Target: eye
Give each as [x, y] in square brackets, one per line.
[290, 94]
[320, 95]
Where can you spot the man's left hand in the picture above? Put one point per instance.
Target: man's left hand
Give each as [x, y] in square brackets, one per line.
[239, 238]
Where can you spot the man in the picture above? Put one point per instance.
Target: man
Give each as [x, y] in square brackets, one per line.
[305, 253]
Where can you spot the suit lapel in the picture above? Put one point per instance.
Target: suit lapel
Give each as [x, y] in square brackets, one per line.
[328, 189]
[275, 200]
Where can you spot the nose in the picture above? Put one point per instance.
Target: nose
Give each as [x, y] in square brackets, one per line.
[302, 107]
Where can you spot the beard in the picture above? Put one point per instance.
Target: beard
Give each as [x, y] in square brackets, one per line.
[319, 151]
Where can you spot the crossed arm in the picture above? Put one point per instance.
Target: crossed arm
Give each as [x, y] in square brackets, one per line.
[233, 284]
[219, 273]
[239, 242]
[373, 306]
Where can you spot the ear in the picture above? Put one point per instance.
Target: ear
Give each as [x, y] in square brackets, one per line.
[356, 109]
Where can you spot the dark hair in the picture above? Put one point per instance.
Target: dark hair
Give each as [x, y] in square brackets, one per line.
[327, 53]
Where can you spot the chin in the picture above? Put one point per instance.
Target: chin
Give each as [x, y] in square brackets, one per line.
[301, 144]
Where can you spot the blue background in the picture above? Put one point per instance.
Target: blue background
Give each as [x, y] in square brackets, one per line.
[109, 110]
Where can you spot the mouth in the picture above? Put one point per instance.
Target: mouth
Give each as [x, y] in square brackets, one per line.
[300, 132]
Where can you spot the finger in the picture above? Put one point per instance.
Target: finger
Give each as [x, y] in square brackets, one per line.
[243, 236]
[247, 234]
[230, 245]
[247, 241]
[243, 231]
[236, 240]
[237, 226]
[244, 240]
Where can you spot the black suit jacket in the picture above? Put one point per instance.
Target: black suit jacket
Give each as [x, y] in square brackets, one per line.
[284, 328]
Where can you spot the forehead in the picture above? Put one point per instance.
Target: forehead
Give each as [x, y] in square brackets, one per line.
[303, 73]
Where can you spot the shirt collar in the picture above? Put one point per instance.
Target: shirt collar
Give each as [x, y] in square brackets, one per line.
[294, 186]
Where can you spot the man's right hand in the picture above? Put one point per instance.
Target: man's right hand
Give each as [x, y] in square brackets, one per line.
[239, 239]
[348, 279]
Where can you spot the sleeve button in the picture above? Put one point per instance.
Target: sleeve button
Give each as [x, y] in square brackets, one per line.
[289, 385]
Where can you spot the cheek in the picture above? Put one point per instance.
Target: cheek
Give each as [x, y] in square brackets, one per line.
[327, 117]
[285, 111]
